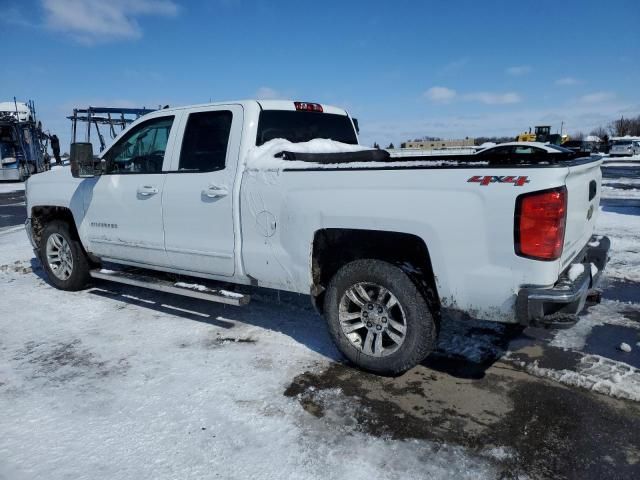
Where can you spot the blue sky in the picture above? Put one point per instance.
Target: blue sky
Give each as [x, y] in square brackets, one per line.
[405, 69]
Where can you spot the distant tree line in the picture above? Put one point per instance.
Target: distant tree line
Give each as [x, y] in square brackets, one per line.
[624, 126]
[617, 128]
[481, 140]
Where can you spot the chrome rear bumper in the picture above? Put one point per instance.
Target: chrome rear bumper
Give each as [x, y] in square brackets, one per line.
[559, 306]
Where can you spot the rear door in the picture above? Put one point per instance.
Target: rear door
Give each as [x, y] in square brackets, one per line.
[583, 188]
[198, 199]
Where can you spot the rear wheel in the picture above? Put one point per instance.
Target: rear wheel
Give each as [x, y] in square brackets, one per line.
[378, 318]
[63, 257]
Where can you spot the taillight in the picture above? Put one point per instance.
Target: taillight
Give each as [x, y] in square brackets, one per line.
[308, 107]
[540, 221]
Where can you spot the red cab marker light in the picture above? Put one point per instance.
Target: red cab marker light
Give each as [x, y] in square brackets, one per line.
[308, 107]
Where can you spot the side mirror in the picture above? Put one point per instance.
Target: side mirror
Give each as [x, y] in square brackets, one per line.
[83, 165]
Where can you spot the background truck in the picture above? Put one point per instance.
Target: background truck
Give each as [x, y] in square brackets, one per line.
[23, 144]
[279, 194]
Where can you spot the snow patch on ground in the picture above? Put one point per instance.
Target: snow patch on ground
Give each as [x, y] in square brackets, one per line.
[606, 312]
[611, 192]
[625, 347]
[598, 374]
[105, 385]
[10, 187]
[624, 232]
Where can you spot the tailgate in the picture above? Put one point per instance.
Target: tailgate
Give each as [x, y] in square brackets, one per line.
[583, 187]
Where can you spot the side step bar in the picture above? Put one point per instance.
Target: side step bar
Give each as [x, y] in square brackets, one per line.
[179, 288]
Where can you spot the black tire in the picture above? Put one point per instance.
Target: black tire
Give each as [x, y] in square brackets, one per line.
[420, 333]
[79, 277]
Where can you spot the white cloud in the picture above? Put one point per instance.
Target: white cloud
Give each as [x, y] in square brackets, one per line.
[267, 93]
[446, 95]
[567, 81]
[92, 21]
[519, 70]
[454, 65]
[440, 94]
[489, 98]
[597, 97]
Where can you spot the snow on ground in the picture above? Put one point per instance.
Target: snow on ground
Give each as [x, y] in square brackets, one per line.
[607, 312]
[611, 192]
[624, 232]
[10, 187]
[598, 374]
[101, 384]
[630, 158]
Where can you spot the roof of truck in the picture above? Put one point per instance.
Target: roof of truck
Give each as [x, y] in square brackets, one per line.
[267, 105]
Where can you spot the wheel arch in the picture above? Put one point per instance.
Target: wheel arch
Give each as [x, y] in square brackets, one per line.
[334, 247]
[41, 215]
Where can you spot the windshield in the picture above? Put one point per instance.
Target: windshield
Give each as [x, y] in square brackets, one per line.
[622, 142]
[297, 126]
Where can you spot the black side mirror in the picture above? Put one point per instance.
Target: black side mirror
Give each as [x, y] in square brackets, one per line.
[83, 165]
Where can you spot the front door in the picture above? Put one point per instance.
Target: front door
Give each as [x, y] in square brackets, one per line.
[123, 219]
[198, 197]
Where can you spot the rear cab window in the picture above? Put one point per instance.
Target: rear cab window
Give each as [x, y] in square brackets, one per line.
[302, 126]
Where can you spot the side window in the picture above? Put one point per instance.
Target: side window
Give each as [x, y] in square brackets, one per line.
[204, 146]
[529, 150]
[498, 151]
[142, 149]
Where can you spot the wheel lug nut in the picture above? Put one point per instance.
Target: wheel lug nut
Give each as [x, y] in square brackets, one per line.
[378, 327]
[384, 319]
[370, 307]
[369, 324]
[365, 314]
[379, 309]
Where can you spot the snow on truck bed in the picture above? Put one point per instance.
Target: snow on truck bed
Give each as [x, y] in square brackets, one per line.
[264, 156]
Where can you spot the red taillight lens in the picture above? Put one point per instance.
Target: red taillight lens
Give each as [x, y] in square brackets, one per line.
[308, 107]
[540, 223]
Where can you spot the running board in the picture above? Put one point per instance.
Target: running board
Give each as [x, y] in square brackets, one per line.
[180, 288]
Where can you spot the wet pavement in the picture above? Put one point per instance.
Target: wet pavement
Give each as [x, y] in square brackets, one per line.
[12, 209]
[530, 427]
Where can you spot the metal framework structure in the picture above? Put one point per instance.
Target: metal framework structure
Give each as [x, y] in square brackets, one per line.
[117, 119]
[25, 142]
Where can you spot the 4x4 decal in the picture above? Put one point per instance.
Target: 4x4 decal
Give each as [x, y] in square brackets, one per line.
[487, 179]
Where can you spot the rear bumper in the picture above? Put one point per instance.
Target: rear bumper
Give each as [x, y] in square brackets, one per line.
[560, 305]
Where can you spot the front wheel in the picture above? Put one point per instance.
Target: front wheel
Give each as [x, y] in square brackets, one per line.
[63, 257]
[378, 318]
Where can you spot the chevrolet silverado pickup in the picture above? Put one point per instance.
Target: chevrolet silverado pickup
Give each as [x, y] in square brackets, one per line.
[279, 194]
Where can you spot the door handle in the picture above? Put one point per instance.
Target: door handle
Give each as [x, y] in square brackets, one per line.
[147, 190]
[213, 191]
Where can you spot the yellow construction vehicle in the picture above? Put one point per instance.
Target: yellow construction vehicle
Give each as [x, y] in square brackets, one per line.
[542, 133]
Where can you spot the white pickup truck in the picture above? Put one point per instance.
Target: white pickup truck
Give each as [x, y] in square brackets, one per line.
[279, 194]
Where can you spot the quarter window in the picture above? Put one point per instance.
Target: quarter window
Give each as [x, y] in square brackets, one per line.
[142, 149]
[204, 147]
